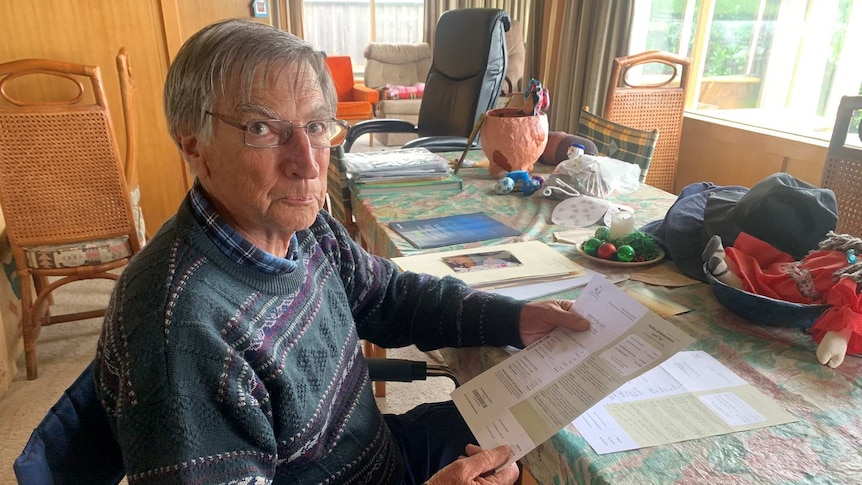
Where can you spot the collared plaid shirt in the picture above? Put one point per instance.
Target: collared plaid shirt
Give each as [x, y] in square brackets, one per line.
[232, 244]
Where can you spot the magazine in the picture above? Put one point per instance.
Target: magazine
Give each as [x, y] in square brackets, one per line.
[449, 230]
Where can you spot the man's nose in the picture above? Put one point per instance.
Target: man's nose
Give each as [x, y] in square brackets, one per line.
[300, 158]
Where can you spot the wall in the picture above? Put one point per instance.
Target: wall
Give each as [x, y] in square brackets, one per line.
[732, 154]
[92, 32]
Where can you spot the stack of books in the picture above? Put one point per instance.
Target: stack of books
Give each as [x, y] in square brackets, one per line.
[405, 170]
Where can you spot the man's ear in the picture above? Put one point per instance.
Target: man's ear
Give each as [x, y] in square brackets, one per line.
[193, 151]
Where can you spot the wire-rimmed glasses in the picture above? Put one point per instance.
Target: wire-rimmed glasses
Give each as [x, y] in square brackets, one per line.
[272, 133]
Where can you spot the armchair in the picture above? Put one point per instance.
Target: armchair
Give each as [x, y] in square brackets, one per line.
[354, 102]
[468, 65]
[396, 65]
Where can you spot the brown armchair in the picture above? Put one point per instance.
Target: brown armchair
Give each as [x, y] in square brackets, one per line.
[63, 187]
[354, 101]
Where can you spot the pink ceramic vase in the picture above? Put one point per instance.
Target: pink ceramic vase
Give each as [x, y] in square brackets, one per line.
[512, 140]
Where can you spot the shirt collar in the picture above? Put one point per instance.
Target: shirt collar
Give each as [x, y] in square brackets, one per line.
[233, 244]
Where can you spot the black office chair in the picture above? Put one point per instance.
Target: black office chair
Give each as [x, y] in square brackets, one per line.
[74, 444]
[466, 76]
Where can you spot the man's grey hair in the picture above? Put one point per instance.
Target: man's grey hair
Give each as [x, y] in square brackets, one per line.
[224, 59]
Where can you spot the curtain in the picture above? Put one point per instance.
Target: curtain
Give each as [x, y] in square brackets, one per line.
[580, 39]
[289, 16]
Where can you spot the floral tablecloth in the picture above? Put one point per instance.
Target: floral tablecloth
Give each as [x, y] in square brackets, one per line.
[823, 447]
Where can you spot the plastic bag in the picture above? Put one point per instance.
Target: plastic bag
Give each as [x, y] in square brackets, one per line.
[598, 176]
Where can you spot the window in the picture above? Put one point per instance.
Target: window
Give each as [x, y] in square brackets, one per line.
[776, 64]
[345, 27]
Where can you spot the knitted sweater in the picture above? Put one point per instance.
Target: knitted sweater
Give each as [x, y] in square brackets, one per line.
[213, 372]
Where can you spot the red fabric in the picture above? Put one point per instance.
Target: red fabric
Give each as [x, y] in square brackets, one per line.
[390, 91]
[846, 313]
[767, 271]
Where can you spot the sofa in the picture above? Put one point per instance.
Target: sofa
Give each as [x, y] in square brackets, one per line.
[398, 72]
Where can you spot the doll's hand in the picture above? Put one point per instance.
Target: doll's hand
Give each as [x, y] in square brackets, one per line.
[833, 348]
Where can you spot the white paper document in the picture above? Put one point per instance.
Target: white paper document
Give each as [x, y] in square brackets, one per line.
[691, 395]
[527, 398]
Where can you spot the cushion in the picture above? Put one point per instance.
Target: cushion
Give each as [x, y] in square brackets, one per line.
[389, 91]
[78, 254]
[397, 64]
[354, 110]
[618, 141]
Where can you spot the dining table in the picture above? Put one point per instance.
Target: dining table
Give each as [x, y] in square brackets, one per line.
[821, 447]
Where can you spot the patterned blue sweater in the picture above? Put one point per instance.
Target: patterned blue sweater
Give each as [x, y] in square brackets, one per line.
[214, 372]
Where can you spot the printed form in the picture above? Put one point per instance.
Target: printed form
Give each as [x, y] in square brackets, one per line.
[527, 398]
[691, 395]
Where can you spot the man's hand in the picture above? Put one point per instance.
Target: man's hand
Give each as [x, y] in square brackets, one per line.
[477, 468]
[538, 318]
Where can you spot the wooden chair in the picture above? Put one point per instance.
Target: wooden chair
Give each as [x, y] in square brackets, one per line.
[843, 169]
[650, 107]
[128, 88]
[63, 189]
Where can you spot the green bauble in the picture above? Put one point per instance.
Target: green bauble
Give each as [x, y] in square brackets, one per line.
[591, 245]
[625, 253]
[603, 233]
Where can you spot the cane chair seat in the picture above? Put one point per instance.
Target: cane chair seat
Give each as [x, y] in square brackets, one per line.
[63, 188]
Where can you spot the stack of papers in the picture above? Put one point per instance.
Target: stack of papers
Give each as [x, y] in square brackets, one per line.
[405, 170]
[525, 399]
[496, 266]
[405, 165]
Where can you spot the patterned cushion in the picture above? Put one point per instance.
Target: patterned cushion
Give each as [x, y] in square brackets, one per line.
[617, 141]
[78, 254]
[389, 91]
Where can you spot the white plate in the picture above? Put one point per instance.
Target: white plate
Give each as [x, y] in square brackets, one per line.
[621, 264]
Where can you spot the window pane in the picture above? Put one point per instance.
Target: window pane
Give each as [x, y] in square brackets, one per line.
[344, 27]
[779, 64]
[399, 21]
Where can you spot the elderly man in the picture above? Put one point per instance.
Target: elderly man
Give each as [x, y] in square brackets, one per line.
[230, 352]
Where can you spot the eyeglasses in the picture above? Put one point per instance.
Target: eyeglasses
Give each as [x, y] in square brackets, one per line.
[273, 133]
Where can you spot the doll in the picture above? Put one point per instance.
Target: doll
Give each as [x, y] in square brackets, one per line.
[831, 274]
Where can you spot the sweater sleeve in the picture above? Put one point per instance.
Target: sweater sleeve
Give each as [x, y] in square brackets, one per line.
[394, 308]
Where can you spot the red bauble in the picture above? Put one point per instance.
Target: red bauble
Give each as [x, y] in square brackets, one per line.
[607, 251]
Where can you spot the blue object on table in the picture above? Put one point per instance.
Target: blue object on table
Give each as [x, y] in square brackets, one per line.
[763, 310]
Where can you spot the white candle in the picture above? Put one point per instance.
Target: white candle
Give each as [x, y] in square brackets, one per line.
[622, 223]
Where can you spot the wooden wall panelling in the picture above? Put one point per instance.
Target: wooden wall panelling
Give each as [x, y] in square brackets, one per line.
[89, 32]
[733, 155]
